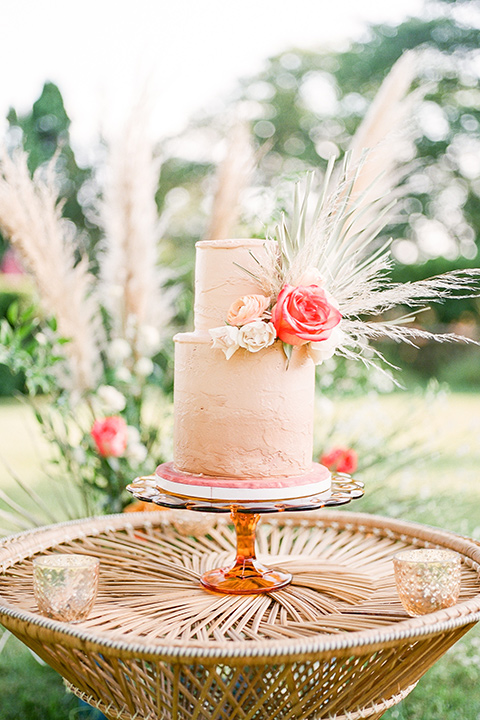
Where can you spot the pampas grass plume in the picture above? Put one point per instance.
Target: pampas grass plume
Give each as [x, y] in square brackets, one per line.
[232, 179]
[30, 217]
[131, 274]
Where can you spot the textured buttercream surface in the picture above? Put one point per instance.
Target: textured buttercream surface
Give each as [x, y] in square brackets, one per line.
[219, 280]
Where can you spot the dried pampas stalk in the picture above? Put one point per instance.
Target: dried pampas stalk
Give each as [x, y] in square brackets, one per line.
[30, 216]
[382, 139]
[233, 178]
[387, 113]
[132, 279]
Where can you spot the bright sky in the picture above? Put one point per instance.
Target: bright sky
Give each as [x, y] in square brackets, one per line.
[97, 51]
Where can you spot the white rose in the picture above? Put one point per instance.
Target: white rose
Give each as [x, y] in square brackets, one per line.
[143, 367]
[256, 335]
[225, 338]
[325, 349]
[119, 350]
[111, 398]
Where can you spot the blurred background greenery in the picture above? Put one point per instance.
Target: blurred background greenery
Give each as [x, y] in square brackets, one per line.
[302, 108]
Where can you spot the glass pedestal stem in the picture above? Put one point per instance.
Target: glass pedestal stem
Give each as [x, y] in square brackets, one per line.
[247, 575]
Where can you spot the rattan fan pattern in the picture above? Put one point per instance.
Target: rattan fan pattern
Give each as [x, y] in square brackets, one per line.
[335, 643]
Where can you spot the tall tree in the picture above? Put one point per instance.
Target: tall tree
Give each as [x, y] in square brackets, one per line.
[44, 132]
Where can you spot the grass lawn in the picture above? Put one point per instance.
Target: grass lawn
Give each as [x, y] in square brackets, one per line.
[444, 491]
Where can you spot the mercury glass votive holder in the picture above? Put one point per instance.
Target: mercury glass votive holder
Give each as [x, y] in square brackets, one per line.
[427, 579]
[65, 585]
[187, 522]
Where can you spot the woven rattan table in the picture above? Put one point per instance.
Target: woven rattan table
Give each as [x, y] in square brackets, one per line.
[335, 643]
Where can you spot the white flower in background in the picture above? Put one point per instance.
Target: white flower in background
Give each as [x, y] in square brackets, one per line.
[148, 340]
[41, 338]
[133, 435]
[119, 350]
[136, 453]
[114, 464]
[225, 338]
[256, 335]
[143, 367]
[79, 455]
[325, 349]
[123, 374]
[112, 399]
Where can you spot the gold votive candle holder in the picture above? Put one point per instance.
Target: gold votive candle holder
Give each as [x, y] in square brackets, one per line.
[427, 579]
[65, 585]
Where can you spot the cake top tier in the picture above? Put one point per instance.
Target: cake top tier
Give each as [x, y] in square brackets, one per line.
[219, 280]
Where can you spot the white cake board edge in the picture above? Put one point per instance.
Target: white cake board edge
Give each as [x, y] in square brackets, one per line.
[238, 494]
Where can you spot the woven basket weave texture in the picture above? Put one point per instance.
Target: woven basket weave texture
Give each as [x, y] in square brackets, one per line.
[335, 643]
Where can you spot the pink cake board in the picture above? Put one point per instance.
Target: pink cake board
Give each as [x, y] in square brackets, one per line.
[208, 487]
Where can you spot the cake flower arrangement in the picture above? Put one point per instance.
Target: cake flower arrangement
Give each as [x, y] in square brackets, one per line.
[319, 284]
[300, 315]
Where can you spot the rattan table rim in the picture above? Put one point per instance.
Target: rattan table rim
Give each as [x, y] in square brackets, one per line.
[461, 614]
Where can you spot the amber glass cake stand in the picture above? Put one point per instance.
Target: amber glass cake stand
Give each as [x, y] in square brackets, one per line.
[246, 575]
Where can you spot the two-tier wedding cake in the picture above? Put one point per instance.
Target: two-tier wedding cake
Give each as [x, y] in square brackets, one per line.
[243, 412]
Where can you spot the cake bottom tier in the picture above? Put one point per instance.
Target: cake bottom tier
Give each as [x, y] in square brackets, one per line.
[247, 417]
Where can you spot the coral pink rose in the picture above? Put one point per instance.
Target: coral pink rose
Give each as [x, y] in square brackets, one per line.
[304, 314]
[110, 436]
[344, 460]
[247, 309]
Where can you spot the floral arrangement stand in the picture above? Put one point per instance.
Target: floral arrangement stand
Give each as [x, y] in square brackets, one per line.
[335, 643]
[247, 575]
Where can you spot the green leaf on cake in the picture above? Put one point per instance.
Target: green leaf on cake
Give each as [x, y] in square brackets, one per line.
[287, 349]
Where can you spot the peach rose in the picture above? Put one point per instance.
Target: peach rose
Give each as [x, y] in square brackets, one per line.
[247, 309]
[110, 436]
[304, 314]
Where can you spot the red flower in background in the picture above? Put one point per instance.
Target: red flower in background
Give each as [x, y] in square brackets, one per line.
[343, 460]
[110, 436]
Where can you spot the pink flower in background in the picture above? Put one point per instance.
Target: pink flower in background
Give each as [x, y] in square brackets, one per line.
[10, 265]
[110, 436]
[247, 309]
[304, 314]
[344, 460]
